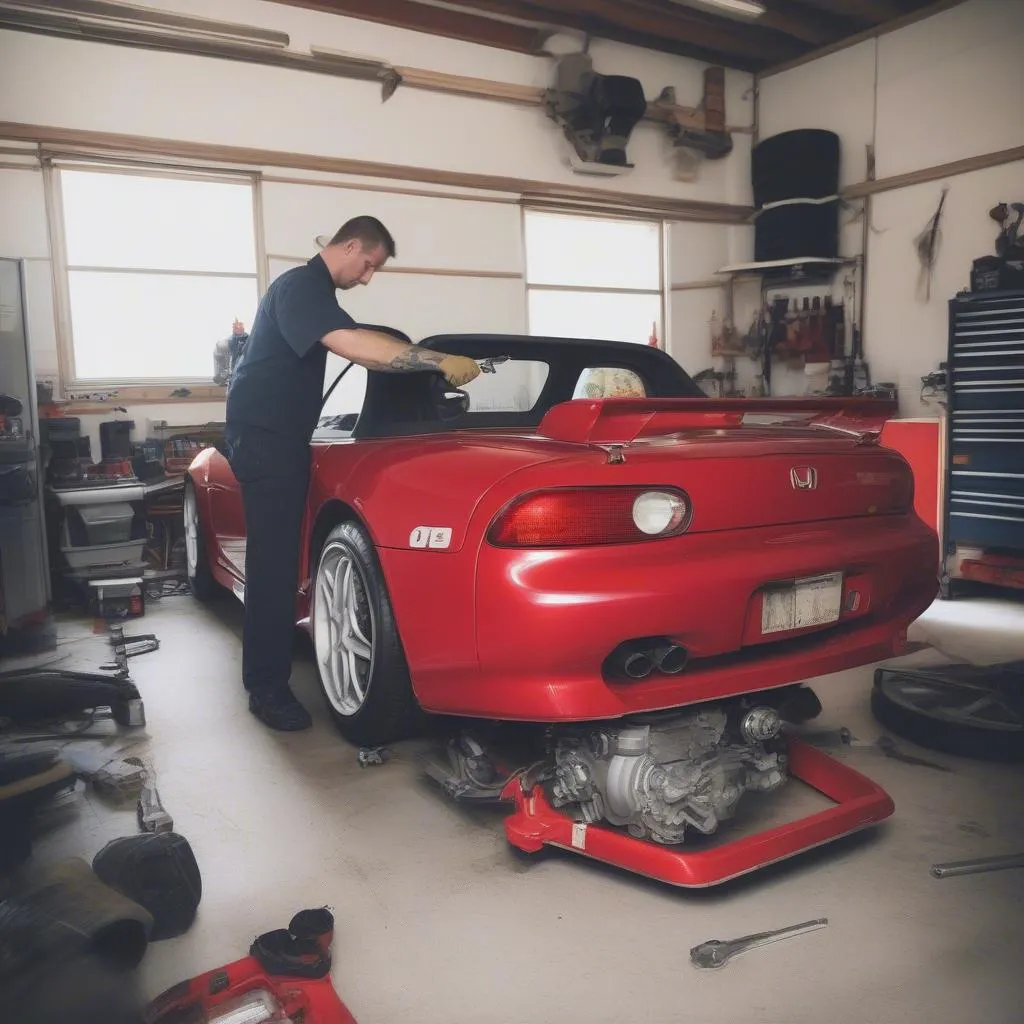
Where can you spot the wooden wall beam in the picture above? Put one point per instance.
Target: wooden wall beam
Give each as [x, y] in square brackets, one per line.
[126, 146]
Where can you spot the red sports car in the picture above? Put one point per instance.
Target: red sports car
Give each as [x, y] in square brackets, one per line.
[529, 549]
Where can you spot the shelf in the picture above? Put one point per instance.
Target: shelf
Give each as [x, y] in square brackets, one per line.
[804, 267]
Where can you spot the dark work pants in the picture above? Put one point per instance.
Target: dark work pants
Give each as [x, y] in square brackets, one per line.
[274, 476]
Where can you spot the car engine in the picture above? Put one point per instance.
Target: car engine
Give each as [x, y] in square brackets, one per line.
[663, 774]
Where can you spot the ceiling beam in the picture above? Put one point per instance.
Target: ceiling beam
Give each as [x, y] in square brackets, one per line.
[680, 24]
[786, 18]
[612, 19]
[433, 20]
[866, 12]
[809, 25]
[542, 15]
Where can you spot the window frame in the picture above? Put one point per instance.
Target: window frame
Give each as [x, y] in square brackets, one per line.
[660, 291]
[122, 390]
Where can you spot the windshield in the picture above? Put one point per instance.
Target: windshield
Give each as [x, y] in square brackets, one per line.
[341, 409]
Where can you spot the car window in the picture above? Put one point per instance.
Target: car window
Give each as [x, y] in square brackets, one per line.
[341, 410]
[515, 386]
[609, 382]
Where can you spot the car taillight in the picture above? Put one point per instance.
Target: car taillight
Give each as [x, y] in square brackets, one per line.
[899, 495]
[579, 516]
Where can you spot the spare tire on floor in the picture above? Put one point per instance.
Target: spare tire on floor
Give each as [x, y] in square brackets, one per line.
[971, 711]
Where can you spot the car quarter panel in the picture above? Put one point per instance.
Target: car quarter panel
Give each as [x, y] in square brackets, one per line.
[523, 633]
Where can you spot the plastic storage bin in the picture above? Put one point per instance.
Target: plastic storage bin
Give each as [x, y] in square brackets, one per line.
[104, 554]
[107, 524]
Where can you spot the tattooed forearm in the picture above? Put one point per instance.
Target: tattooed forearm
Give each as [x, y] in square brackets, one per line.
[414, 359]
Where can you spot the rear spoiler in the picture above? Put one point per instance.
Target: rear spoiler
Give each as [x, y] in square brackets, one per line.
[622, 420]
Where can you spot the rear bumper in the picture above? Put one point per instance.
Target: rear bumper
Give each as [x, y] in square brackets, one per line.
[545, 621]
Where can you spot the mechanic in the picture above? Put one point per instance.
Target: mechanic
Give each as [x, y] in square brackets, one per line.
[273, 406]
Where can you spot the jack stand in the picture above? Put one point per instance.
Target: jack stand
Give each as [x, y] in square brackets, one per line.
[860, 803]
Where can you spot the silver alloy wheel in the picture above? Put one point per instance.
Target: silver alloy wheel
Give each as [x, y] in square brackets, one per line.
[191, 515]
[343, 629]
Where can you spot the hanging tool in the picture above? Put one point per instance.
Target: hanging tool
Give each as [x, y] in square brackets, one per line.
[973, 867]
[718, 952]
[927, 244]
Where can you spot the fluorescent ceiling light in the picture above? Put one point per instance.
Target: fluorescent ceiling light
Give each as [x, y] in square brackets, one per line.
[751, 8]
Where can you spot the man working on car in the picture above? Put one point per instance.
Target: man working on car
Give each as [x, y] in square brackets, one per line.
[272, 409]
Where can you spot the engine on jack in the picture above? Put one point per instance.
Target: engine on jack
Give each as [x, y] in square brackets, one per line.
[656, 776]
[664, 774]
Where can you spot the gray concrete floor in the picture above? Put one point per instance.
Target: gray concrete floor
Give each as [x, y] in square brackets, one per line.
[438, 920]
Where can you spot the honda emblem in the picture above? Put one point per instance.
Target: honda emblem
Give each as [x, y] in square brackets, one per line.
[803, 478]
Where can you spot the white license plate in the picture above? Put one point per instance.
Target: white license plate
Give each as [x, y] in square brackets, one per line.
[816, 601]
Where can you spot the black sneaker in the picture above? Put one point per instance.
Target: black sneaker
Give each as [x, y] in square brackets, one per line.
[279, 710]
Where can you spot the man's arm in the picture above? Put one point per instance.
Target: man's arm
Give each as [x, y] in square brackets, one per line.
[377, 351]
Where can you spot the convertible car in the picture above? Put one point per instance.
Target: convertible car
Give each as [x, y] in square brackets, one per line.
[514, 551]
[531, 549]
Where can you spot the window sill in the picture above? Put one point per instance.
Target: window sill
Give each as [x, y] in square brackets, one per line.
[92, 398]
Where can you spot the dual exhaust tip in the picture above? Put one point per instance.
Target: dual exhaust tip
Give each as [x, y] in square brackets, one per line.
[637, 659]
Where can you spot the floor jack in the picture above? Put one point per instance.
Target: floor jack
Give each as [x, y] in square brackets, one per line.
[625, 793]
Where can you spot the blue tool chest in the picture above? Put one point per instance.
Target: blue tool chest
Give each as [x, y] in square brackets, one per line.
[985, 424]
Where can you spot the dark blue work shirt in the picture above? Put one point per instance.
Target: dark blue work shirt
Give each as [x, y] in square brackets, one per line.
[278, 383]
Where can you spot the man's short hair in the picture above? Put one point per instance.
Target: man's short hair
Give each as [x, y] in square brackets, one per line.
[367, 230]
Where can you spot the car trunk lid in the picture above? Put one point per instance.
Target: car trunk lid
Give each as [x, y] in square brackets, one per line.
[745, 463]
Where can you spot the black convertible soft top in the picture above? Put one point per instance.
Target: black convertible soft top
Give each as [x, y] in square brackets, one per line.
[407, 403]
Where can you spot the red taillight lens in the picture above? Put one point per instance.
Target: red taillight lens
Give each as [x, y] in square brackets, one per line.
[579, 516]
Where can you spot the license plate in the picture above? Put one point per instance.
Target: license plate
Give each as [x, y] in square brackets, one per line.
[816, 601]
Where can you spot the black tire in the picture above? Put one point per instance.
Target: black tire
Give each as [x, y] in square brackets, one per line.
[200, 579]
[928, 727]
[801, 164]
[389, 711]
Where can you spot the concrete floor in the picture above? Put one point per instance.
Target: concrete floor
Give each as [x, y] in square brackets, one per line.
[438, 920]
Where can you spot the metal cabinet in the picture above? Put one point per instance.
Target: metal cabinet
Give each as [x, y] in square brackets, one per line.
[984, 504]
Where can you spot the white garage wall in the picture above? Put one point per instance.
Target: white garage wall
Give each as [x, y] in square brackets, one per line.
[948, 88]
[168, 95]
[80, 85]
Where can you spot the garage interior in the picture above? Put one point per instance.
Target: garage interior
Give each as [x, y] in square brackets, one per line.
[809, 200]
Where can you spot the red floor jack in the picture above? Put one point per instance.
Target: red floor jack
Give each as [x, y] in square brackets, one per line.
[286, 977]
[627, 793]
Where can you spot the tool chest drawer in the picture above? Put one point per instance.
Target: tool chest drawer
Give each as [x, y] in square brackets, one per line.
[985, 424]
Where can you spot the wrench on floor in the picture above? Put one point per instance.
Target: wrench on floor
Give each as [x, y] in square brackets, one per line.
[718, 952]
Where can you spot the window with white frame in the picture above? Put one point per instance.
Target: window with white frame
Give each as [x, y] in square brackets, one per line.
[159, 266]
[591, 277]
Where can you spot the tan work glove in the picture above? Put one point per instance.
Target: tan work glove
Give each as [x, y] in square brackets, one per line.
[459, 370]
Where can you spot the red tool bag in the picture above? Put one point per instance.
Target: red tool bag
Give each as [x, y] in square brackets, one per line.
[286, 977]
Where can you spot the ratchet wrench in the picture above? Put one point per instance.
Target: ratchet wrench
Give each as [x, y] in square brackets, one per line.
[489, 364]
[718, 952]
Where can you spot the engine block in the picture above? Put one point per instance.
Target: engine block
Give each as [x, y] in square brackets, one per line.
[664, 774]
